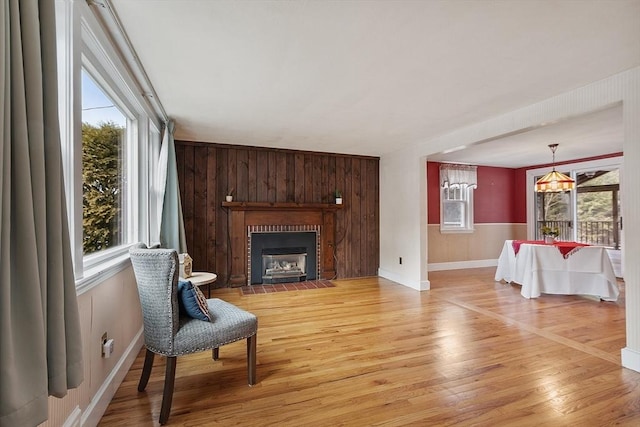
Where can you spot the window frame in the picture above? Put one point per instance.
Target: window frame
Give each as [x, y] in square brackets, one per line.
[83, 43]
[613, 162]
[466, 200]
[130, 208]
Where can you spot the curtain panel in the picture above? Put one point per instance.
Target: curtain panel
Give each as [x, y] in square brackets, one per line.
[172, 233]
[458, 176]
[40, 341]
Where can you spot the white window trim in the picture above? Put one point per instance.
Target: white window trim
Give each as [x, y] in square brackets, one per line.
[153, 196]
[81, 41]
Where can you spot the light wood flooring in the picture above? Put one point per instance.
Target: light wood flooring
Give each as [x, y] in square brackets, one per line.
[370, 352]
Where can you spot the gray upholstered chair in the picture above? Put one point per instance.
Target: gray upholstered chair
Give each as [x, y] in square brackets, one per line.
[170, 334]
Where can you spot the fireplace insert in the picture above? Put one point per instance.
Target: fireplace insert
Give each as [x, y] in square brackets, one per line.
[280, 265]
[278, 257]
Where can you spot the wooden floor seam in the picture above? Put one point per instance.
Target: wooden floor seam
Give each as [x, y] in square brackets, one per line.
[540, 332]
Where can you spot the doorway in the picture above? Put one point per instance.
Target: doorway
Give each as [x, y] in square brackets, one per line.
[591, 214]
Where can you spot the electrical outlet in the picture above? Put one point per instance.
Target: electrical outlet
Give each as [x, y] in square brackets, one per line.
[107, 348]
[103, 341]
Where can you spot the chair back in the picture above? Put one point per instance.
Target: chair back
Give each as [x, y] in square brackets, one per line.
[156, 272]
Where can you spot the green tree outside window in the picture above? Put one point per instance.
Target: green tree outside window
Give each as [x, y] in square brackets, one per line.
[102, 186]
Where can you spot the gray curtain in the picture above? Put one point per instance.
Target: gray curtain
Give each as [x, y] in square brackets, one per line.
[40, 348]
[172, 233]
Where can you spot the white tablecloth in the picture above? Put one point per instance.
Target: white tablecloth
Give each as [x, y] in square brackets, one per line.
[543, 269]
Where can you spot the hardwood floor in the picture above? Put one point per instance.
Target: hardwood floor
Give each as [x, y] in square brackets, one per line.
[370, 352]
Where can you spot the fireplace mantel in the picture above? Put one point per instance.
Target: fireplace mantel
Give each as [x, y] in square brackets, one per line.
[267, 206]
[245, 214]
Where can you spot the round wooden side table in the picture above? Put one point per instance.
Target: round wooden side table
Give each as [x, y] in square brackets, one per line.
[200, 278]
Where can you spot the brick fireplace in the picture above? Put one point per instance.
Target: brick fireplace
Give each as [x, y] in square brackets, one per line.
[249, 218]
[283, 253]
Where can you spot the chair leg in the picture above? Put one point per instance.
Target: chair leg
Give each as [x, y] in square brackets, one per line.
[251, 358]
[216, 353]
[146, 370]
[169, 380]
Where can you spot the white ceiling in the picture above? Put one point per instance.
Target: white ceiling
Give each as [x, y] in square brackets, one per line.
[371, 77]
[578, 138]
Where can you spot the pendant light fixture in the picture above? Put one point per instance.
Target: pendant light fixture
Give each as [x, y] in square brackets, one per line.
[554, 181]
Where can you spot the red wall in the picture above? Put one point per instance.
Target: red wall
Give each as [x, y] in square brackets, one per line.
[501, 195]
[520, 196]
[499, 198]
[433, 193]
[493, 200]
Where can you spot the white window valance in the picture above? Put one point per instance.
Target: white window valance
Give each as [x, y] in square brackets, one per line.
[458, 176]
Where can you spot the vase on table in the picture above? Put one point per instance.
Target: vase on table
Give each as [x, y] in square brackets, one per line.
[185, 265]
[549, 239]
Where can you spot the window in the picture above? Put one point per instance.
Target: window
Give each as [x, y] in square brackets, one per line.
[104, 192]
[457, 183]
[591, 213]
[109, 134]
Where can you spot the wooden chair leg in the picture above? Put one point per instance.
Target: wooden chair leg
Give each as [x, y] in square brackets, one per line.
[146, 370]
[251, 358]
[167, 397]
[216, 353]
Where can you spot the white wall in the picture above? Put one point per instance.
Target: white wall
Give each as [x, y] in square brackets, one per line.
[403, 216]
[111, 306]
[402, 207]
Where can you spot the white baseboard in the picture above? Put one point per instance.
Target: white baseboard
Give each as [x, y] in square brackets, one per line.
[631, 359]
[74, 419]
[423, 285]
[459, 265]
[99, 402]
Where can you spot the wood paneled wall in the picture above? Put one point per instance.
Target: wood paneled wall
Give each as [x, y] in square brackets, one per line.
[207, 171]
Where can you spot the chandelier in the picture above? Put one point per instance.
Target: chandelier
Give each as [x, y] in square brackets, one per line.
[554, 181]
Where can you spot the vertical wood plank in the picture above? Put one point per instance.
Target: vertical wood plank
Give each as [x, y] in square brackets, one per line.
[213, 200]
[242, 177]
[299, 178]
[341, 222]
[253, 183]
[206, 172]
[291, 177]
[356, 219]
[308, 178]
[223, 261]
[325, 190]
[317, 179]
[232, 171]
[262, 176]
[281, 177]
[327, 261]
[364, 219]
[187, 202]
[199, 234]
[238, 250]
[271, 176]
[373, 220]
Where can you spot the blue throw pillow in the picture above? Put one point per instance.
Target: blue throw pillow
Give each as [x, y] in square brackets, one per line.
[192, 301]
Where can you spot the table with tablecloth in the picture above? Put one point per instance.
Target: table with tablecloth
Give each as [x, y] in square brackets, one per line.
[565, 268]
